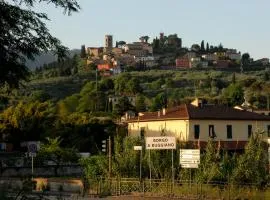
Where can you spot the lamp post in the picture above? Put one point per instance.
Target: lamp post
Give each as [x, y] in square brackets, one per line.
[139, 148]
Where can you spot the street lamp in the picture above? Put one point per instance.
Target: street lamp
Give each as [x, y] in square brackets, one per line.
[139, 148]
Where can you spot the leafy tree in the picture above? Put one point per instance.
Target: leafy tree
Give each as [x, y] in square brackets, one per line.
[68, 105]
[133, 86]
[26, 122]
[159, 102]
[52, 151]
[106, 84]
[83, 53]
[120, 83]
[94, 167]
[234, 94]
[122, 106]
[140, 103]
[220, 47]
[252, 165]
[209, 167]
[195, 47]
[245, 59]
[207, 47]
[202, 46]
[23, 34]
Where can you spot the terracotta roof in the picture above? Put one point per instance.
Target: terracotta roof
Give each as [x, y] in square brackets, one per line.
[223, 113]
[179, 112]
[188, 111]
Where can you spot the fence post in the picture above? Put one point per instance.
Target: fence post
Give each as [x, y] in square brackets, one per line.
[99, 187]
[119, 186]
[143, 187]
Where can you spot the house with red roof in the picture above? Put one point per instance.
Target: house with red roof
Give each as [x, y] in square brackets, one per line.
[195, 123]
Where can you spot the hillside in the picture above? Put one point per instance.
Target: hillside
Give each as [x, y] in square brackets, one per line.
[46, 58]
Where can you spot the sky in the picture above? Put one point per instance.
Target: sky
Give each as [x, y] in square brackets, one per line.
[239, 24]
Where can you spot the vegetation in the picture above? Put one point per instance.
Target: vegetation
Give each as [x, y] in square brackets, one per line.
[23, 34]
[216, 165]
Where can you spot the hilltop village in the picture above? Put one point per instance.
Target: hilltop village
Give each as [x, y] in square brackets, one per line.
[165, 52]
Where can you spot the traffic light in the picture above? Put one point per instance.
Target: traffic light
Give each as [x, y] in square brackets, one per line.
[104, 146]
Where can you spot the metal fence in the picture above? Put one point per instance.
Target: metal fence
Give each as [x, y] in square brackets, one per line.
[176, 189]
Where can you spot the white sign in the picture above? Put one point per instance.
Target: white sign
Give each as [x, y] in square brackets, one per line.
[189, 165]
[137, 148]
[189, 158]
[160, 142]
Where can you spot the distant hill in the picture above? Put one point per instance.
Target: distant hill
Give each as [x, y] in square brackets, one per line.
[46, 58]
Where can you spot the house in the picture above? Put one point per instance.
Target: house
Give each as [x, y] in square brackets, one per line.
[182, 63]
[210, 57]
[222, 63]
[195, 123]
[95, 51]
[232, 54]
[115, 100]
[195, 62]
[262, 61]
[138, 49]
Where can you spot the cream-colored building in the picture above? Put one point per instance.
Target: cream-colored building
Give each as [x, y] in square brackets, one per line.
[197, 122]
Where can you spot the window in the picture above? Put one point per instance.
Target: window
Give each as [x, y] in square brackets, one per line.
[229, 131]
[249, 130]
[268, 130]
[142, 132]
[196, 131]
[212, 131]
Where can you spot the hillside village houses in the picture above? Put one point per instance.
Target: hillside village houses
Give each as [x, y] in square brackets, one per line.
[195, 123]
[113, 59]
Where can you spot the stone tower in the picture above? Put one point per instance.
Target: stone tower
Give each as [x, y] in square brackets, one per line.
[108, 41]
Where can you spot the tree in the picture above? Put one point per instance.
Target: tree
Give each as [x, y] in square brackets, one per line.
[202, 46]
[140, 103]
[209, 167]
[207, 47]
[23, 35]
[123, 105]
[83, 53]
[245, 59]
[234, 94]
[133, 86]
[52, 151]
[251, 167]
[195, 47]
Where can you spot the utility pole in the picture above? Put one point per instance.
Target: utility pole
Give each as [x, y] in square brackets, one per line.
[110, 157]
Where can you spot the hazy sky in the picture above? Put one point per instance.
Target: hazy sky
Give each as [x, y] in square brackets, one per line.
[240, 24]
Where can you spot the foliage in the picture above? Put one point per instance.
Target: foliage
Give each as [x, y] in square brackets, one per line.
[209, 168]
[23, 34]
[95, 166]
[159, 102]
[234, 94]
[251, 166]
[245, 59]
[140, 103]
[51, 150]
[125, 166]
[123, 105]
[26, 121]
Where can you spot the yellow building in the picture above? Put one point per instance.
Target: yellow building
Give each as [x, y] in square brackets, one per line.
[197, 122]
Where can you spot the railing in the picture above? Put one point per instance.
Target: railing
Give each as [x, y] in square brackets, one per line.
[177, 189]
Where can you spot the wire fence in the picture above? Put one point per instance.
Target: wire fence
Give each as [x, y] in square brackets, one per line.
[175, 189]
